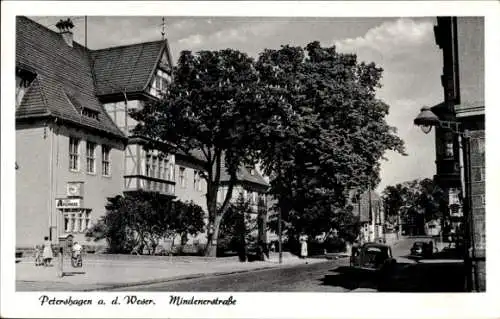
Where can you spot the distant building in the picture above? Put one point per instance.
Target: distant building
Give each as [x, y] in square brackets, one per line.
[250, 185]
[369, 207]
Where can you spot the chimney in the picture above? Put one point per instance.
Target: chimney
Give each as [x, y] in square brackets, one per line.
[65, 27]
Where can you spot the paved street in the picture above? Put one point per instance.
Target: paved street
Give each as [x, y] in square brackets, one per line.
[329, 276]
[298, 278]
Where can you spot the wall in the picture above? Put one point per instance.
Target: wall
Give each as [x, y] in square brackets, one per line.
[96, 187]
[32, 184]
[478, 197]
[117, 112]
[189, 193]
[470, 33]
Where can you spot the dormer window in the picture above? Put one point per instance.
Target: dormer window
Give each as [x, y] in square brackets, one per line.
[23, 81]
[90, 113]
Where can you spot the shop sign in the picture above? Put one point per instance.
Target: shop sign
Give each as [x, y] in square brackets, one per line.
[68, 203]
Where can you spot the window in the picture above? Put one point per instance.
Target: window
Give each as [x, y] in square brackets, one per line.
[161, 168]
[90, 157]
[254, 198]
[165, 169]
[182, 176]
[148, 164]
[171, 172]
[23, 81]
[197, 181]
[448, 150]
[154, 159]
[105, 161]
[90, 113]
[74, 144]
[160, 83]
[76, 220]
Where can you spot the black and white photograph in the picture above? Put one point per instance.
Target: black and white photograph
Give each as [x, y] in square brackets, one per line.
[200, 156]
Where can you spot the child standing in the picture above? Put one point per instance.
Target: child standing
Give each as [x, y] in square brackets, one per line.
[38, 255]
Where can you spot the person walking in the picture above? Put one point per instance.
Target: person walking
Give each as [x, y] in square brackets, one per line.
[47, 252]
[303, 248]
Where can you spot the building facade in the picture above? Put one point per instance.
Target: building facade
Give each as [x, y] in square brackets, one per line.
[68, 151]
[75, 145]
[462, 42]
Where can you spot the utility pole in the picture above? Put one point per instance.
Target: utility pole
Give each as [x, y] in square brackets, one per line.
[370, 212]
[280, 238]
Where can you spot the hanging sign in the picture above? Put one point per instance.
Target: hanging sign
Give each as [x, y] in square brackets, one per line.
[74, 189]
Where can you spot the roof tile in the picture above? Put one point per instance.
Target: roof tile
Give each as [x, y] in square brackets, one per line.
[125, 68]
[60, 71]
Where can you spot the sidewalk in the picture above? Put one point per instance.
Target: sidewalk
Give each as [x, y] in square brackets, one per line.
[101, 272]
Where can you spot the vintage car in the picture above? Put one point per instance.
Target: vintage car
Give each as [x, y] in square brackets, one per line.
[422, 249]
[372, 257]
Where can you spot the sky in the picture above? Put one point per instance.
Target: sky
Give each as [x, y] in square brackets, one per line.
[404, 47]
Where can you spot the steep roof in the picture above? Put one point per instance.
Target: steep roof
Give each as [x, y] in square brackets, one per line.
[125, 68]
[64, 82]
[243, 174]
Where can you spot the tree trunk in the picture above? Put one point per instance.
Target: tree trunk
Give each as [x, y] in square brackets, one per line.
[215, 214]
[211, 250]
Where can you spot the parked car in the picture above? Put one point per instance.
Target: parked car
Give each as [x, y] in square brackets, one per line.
[372, 257]
[422, 249]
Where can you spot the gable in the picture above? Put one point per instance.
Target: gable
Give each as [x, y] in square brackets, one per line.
[125, 68]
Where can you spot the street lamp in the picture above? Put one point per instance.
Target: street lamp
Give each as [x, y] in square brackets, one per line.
[426, 120]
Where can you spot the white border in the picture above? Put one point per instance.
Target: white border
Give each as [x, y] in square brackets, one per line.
[251, 305]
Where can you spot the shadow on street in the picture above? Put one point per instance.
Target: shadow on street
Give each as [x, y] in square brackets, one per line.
[406, 277]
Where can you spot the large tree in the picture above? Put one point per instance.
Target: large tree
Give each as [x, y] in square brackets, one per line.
[210, 108]
[327, 132]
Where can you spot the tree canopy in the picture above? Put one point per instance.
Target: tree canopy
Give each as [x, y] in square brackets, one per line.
[326, 135]
[415, 197]
[309, 115]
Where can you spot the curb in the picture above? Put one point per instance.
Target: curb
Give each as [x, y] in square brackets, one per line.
[186, 277]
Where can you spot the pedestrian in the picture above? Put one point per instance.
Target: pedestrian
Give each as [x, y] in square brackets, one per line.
[38, 255]
[47, 252]
[303, 248]
[451, 237]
